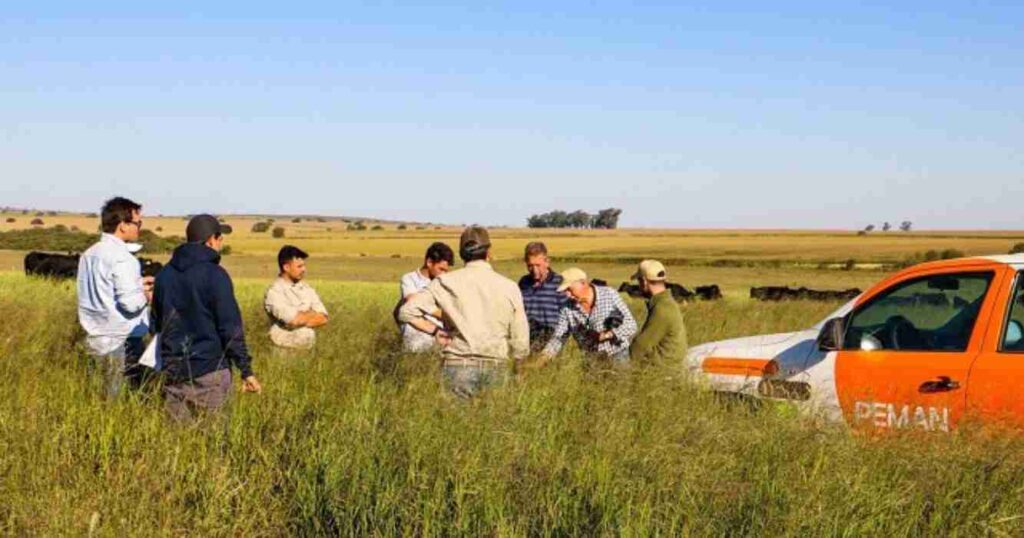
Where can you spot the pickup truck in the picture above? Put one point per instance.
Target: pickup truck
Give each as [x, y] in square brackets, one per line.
[928, 348]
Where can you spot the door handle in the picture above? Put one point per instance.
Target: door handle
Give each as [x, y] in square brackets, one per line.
[942, 384]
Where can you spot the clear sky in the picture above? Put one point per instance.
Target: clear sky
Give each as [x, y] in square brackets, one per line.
[719, 114]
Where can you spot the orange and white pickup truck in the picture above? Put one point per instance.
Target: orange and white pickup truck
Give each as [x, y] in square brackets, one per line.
[927, 348]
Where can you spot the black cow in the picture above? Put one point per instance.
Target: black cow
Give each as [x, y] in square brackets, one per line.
[679, 293]
[599, 282]
[785, 293]
[65, 266]
[45, 264]
[709, 293]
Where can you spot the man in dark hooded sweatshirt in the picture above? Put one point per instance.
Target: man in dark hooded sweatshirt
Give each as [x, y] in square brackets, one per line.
[199, 324]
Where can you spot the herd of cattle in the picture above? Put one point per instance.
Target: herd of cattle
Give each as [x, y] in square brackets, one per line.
[65, 266]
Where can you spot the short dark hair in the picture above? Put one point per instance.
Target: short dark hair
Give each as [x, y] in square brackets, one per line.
[438, 252]
[535, 248]
[115, 211]
[289, 253]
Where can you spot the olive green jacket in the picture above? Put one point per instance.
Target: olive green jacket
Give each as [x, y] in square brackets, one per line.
[663, 335]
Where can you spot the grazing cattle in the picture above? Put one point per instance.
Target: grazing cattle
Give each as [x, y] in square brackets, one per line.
[51, 265]
[599, 282]
[679, 293]
[784, 293]
[709, 293]
[63, 266]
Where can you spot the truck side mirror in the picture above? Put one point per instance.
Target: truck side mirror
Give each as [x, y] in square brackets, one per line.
[831, 336]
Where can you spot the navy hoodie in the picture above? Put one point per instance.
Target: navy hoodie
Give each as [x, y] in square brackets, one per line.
[195, 311]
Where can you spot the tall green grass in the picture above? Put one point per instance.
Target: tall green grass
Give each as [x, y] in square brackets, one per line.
[354, 438]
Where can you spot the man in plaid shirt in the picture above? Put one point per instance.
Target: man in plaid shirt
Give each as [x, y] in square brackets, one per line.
[596, 317]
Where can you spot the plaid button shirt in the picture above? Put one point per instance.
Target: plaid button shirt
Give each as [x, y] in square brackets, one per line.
[583, 327]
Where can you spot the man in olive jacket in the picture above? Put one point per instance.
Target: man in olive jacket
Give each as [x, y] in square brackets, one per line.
[663, 335]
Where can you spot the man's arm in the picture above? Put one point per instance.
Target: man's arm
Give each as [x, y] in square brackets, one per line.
[561, 334]
[129, 295]
[519, 334]
[229, 324]
[414, 310]
[309, 318]
[627, 330]
[655, 329]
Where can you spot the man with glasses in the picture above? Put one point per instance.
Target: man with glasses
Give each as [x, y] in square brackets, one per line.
[113, 296]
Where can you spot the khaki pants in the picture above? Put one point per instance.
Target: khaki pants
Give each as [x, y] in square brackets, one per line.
[205, 394]
[119, 366]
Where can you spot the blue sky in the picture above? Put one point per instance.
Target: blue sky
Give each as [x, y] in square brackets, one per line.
[728, 114]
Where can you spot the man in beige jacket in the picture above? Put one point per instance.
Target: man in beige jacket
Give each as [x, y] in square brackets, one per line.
[293, 306]
[484, 320]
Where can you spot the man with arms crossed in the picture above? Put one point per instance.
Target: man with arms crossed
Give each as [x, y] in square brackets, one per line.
[294, 307]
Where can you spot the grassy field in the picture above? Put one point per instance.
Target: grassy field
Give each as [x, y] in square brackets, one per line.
[357, 438]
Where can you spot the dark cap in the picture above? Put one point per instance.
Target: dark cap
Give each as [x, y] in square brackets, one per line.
[202, 227]
[474, 239]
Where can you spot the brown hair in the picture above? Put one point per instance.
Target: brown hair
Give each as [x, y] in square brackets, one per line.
[535, 248]
[115, 211]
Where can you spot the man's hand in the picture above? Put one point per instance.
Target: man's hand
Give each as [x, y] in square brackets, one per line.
[147, 287]
[251, 384]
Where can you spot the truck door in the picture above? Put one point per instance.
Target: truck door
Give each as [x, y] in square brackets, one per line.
[907, 351]
[995, 392]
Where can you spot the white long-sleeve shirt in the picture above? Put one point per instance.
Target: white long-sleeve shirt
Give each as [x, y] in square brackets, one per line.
[111, 302]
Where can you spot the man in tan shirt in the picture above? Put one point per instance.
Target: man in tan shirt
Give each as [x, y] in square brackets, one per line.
[483, 314]
[294, 307]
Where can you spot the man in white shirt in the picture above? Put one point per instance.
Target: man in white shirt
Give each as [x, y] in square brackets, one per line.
[113, 296]
[438, 261]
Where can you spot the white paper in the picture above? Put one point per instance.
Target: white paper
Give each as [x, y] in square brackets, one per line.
[151, 357]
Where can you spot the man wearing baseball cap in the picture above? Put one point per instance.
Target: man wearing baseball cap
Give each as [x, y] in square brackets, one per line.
[596, 317]
[199, 324]
[483, 315]
[663, 335]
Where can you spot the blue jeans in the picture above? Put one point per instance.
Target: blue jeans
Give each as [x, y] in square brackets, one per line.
[469, 380]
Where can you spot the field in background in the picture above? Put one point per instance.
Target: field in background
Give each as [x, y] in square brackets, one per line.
[734, 259]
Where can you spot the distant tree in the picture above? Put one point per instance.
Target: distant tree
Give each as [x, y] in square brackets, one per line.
[906, 225]
[36, 222]
[60, 228]
[40, 214]
[607, 219]
[321, 219]
[260, 227]
[886, 227]
[377, 227]
[950, 254]
[537, 221]
[159, 228]
[869, 228]
[51, 213]
[403, 227]
[579, 219]
[278, 232]
[296, 220]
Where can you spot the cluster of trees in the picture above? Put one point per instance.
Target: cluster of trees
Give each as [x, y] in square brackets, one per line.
[905, 226]
[605, 219]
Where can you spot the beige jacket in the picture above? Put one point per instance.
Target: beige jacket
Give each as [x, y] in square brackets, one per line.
[482, 310]
[285, 300]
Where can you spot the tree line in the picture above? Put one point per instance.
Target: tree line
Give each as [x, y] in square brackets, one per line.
[605, 219]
